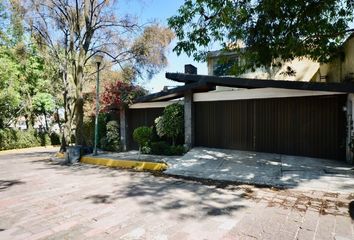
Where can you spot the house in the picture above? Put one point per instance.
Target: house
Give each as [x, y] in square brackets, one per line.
[339, 69]
[310, 114]
[288, 117]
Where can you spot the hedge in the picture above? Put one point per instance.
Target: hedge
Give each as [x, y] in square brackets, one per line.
[13, 139]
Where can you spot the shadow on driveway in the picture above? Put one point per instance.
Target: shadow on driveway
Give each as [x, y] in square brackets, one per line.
[5, 184]
[187, 199]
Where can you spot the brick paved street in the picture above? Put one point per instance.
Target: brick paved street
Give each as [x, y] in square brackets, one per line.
[41, 199]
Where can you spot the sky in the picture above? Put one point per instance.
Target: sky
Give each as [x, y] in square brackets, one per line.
[160, 10]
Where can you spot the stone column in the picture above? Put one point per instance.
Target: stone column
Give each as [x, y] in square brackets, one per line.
[189, 110]
[188, 120]
[123, 128]
[350, 126]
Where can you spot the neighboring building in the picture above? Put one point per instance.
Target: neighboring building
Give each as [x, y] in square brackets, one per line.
[340, 69]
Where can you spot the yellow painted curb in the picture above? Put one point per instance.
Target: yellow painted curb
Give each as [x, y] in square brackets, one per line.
[122, 163]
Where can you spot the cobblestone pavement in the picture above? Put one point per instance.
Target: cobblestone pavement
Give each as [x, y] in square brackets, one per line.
[41, 199]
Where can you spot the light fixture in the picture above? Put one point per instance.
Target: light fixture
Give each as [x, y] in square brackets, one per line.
[98, 58]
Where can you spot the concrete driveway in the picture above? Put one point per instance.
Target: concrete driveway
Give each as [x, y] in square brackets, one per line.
[267, 169]
[42, 199]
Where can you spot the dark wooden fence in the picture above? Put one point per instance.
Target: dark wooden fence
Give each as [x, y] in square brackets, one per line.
[138, 118]
[305, 126]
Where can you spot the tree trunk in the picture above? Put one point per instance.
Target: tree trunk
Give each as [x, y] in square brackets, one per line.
[79, 101]
[79, 120]
[66, 131]
[46, 122]
[26, 120]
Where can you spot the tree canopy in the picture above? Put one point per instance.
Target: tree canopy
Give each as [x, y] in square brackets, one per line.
[120, 93]
[47, 50]
[73, 31]
[23, 72]
[269, 29]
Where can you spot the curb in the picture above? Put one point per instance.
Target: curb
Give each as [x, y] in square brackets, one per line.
[122, 163]
[23, 150]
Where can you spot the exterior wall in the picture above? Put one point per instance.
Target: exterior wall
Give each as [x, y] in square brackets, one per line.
[153, 104]
[137, 115]
[258, 93]
[305, 69]
[341, 67]
[137, 118]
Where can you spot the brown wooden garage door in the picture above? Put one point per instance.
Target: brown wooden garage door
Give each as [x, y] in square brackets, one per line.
[304, 126]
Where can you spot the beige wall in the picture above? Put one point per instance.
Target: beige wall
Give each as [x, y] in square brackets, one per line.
[306, 69]
[339, 69]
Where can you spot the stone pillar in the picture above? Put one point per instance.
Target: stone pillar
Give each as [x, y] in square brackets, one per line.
[189, 111]
[188, 120]
[350, 126]
[123, 128]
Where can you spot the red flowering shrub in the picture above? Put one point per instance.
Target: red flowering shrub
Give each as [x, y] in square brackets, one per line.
[120, 93]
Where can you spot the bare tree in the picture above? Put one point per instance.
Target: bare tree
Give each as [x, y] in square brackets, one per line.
[73, 31]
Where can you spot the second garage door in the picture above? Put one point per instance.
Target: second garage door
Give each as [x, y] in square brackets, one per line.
[305, 126]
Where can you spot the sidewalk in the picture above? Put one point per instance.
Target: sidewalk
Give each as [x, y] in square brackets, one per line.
[231, 166]
[264, 169]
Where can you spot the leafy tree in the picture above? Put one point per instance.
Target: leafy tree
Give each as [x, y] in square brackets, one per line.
[43, 104]
[9, 105]
[74, 31]
[112, 139]
[10, 98]
[23, 72]
[120, 93]
[272, 30]
[171, 123]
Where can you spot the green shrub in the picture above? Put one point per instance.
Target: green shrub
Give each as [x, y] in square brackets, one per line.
[159, 126]
[146, 149]
[112, 139]
[42, 138]
[13, 139]
[163, 148]
[160, 148]
[171, 123]
[143, 136]
[89, 130]
[177, 150]
[55, 138]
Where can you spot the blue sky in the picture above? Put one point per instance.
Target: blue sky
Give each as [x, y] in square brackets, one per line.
[160, 10]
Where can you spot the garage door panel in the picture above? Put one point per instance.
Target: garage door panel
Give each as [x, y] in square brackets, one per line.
[224, 124]
[306, 126]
